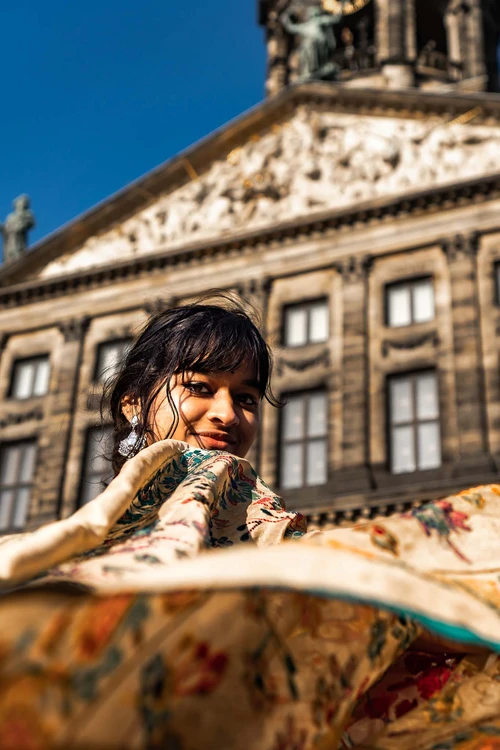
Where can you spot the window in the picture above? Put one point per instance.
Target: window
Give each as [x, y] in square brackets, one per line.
[306, 323]
[97, 469]
[110, 356]
[17, 467]
[410, 302]
[414, 422]
[30, 377]
[304, 430]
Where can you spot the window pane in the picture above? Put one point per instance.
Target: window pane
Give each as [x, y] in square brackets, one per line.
[318, 322]
[293, 419]
[403, 450]
[401, 401]
[42, 374]
[21, 506]
[98, 469]
[110, 358]
[316, 417]
[291, 467]
[27, 463]
[296, 327]
[429, 446]
[316, 463]
[427, 397]
[423, 301]
[6, 503]
[23, 380]
[399, 306]
[98, 452]
[11, 456]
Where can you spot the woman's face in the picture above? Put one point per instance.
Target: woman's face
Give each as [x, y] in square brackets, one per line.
[217, 411]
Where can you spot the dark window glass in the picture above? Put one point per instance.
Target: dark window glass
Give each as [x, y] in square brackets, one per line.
[415, 441]
[410, 302]
[304, 441]
[97, 471]
[30, 377]
[110, 356]
[17, 468]
[306, 323]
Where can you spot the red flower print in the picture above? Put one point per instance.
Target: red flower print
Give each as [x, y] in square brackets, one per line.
[200, 670]
[432, 681]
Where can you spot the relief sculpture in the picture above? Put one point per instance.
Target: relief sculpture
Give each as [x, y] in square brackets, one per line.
[316, 161]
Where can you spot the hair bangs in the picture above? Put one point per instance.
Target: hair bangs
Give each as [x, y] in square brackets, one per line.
[225, 343]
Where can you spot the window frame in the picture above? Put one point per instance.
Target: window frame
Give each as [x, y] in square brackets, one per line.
[307, 305]
[36, 359]
[410, 282]
[84, 475]
[28, 441]
[96, 379]
[304, 393]
[413, 376]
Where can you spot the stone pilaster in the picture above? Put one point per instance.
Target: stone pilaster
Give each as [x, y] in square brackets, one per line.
[55, 445]
[395, 41]
[355, 475]
[469, 373]
[466, 45]
[256, 292]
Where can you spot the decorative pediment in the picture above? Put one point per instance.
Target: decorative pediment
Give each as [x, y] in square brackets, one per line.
[317, 160]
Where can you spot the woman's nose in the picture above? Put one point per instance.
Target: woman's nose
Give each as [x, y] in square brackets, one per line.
[222, 409]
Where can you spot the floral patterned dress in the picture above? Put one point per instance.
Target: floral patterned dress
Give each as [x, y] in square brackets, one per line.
[186, 608]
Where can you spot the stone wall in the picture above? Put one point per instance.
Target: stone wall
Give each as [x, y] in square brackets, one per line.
[457, 242]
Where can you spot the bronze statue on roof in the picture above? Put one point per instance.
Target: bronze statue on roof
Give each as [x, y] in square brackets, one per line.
[16, 227]
[317, 41]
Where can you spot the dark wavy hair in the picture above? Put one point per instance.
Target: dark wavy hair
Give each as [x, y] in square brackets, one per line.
[215, 333]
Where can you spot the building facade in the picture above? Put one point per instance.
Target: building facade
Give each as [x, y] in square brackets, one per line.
[362, 222]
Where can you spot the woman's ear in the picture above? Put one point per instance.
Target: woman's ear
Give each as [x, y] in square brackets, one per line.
[130, 408]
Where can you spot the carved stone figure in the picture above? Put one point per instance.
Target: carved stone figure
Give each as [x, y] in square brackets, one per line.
[318, 42]
[16, 228]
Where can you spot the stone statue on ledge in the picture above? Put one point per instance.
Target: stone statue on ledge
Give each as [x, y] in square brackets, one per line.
[317, 44]
[16, 228]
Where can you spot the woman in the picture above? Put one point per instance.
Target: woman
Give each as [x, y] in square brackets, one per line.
[197, 373]
[257, 645]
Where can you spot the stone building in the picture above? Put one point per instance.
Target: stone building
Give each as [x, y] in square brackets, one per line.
[360, 214]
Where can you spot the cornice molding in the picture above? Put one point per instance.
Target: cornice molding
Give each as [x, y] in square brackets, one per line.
[442, 198]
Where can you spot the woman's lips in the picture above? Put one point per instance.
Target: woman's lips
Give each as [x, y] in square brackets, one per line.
[216, 441]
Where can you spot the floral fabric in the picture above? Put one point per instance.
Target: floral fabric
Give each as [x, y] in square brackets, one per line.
[186, 608]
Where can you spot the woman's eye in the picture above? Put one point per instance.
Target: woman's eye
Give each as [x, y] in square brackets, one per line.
[248, 400]
[199, 389]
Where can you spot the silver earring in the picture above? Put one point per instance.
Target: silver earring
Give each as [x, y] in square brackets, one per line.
[132, 444]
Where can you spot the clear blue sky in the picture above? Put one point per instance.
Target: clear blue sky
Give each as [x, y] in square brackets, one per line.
[96, 93]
